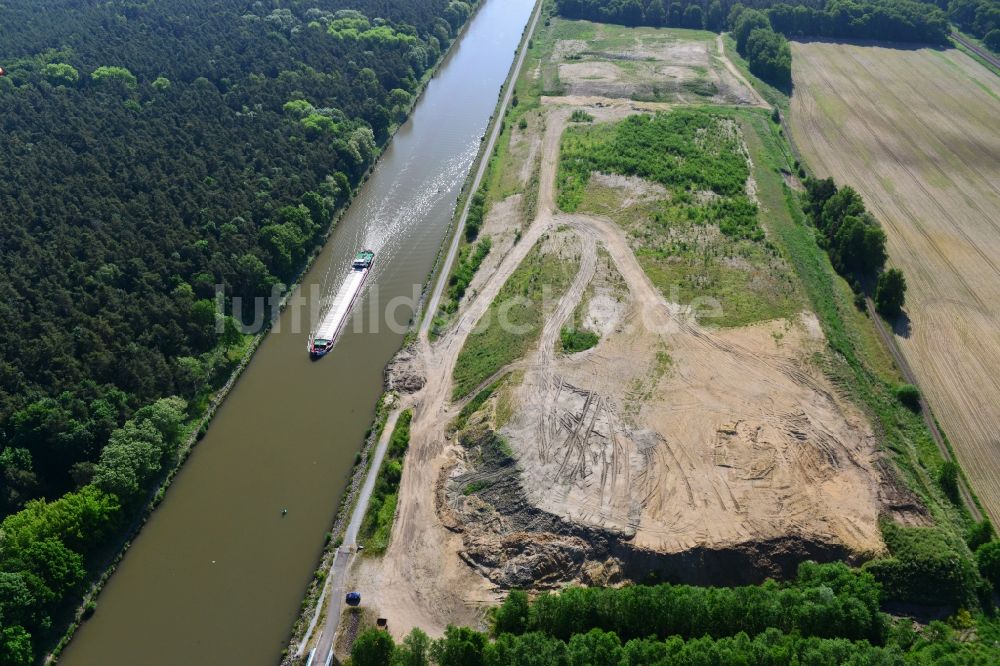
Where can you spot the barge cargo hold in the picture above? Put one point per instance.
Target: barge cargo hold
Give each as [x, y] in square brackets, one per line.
[329, 330]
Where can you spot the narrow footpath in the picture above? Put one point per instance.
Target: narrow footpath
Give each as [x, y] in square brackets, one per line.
[333, 594]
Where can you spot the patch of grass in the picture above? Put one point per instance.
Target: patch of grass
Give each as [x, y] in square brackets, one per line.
[470, 258]
[574, 339]
[475, 487]
[703, 244]
[475, 404]
[376, 528]
[580, 116]
[513, 321]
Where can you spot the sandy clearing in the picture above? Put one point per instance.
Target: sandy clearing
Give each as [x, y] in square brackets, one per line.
[915, 132]
[421, 580]
[739, 438]
[665, 66]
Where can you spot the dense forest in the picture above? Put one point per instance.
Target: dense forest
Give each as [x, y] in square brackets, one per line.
[899, 20]
[151, 152]
[827, 617]
[980, 18]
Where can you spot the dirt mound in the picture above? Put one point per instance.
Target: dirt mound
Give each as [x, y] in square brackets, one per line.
[405, 372]
[515, 544]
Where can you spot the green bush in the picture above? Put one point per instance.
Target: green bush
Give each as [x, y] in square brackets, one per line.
[980, 533]
[988, 561]
[577, 339]
[470, 259]
[926, 566]
[948, 479]
[477, 211]
[909, 395]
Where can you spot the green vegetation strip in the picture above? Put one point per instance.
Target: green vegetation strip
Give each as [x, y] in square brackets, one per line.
[376, 528]
[829, 615]
[513, 322]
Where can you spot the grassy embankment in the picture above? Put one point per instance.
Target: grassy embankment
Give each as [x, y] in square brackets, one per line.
[502, 179]
[376, 528]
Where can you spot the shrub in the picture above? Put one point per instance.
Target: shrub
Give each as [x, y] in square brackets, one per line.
[988, 561]
[890, 293]
[909, 395]
[979, 534]
[577, 339]
[948, 479]
[477, 210]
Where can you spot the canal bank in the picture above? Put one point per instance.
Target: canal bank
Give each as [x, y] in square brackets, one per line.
[217, 574]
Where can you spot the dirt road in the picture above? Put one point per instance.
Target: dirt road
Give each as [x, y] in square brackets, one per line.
[760, 101]
[335, 590]
[497, 128]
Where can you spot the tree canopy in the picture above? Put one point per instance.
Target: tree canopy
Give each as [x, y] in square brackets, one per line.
[154, 153]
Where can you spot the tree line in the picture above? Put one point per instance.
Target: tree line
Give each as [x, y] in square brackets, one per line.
[980, 18]
[900, 20]
[47, 549]
[151, 152]
[855, 243]
[827, 616]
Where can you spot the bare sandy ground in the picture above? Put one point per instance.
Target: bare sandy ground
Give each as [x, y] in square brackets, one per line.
[656, 67]
[916, 133]
[666, 435]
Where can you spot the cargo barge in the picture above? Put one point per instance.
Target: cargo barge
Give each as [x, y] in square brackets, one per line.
[322, 341]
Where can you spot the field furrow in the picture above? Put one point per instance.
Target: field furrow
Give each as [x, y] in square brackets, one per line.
[914, 131]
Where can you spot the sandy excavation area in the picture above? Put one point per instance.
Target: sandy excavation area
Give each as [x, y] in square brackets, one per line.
[916, 133]
[645, 64]
[671, 449]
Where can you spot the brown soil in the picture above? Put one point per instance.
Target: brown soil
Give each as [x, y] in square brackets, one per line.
[670, 449]
[671, 70]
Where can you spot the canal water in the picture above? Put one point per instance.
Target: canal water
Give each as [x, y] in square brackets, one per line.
[217, 574]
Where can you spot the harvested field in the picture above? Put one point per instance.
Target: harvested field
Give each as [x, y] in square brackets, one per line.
[916, 133]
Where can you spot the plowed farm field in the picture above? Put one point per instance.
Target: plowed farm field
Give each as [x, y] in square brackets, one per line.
[917, 133]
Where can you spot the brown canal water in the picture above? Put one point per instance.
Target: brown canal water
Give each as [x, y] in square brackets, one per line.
[217, 574]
